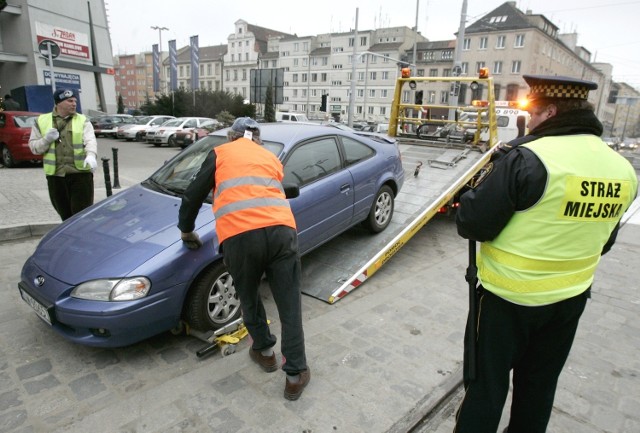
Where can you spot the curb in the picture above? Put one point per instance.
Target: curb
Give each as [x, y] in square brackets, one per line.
[24, 231]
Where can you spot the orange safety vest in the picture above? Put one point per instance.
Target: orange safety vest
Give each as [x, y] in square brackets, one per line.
[248, 194]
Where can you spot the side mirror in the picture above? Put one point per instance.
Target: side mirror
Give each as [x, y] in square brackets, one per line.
[291, 190]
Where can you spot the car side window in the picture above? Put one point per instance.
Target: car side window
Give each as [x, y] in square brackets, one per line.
[312, 161]
[356, 151]
[190, 124]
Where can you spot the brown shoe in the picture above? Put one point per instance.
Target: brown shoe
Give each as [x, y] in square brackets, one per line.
[293, 391]
[267, 363]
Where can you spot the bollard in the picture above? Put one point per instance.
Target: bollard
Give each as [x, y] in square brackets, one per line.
[107, 178]
[116, 180]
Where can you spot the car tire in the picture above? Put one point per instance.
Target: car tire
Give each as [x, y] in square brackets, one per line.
[171, 142]
[139, 136]
[7, 158]
[381, 210]
[212, 301]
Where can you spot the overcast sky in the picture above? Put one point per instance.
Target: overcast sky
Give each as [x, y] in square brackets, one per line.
[609, 29]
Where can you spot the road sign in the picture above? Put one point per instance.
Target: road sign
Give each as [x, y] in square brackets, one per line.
[47, 44]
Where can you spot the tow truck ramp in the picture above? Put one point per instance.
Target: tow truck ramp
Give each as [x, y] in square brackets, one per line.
[341, 265]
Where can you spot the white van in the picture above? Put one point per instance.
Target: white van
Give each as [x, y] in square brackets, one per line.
[511, 122]
[285, 116]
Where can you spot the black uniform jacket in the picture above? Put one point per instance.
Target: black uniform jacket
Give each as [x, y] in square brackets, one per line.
[515, 179]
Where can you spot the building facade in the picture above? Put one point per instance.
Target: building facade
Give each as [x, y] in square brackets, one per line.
[84, 62]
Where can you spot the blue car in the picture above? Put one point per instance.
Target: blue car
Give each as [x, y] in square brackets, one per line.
[118, 273]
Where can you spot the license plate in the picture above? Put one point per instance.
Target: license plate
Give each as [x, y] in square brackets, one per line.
[40, 309]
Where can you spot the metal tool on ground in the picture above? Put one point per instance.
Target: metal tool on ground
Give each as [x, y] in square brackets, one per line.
[225, 338]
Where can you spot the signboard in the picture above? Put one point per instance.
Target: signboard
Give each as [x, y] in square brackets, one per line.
[47, 45]
[335, 108]
[261, 79]
[64, 80]
[71, 43]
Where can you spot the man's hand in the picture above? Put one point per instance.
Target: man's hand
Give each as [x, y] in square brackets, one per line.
[51, 135]
[191, 240]
[90, 161]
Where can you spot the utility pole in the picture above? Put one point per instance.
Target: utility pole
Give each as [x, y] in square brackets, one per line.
[457, 63]
[160, 29]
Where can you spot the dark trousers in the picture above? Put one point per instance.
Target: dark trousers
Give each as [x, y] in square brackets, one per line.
[71, 193]
[272, 251]
[534, 342]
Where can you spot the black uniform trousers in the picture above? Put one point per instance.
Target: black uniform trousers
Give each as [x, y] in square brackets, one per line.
[272, 251]
[71, 193]
[534, 342]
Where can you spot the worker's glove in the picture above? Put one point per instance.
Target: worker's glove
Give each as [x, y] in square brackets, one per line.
[191, 240]
[51, 135]
[90, 161]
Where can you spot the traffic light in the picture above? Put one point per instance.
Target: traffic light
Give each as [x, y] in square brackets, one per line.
[419, 94]
[323, 104]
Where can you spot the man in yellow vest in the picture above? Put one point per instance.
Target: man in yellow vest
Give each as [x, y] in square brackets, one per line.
[545, 211]
[69, 145]
[256, 232]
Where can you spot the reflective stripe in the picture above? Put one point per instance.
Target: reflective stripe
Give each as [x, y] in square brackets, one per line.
[524, 263]
[539, 285]
[249, 204]
[248, 180]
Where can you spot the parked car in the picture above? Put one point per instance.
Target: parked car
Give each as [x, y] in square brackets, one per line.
[117, 272]
[15, 129]
[107, 126]
[138, 129]
[165, 134]
[190, 135]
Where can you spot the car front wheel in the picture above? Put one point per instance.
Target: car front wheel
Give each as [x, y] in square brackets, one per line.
[171, 142]
[212, 301]
[381, 210]
[7, 158]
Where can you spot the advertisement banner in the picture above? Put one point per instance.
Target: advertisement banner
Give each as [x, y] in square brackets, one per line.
[156, 68]
[195, 63]
[173, 65]
[72, 43]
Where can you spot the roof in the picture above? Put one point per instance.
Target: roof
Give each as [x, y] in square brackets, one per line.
[511, 18]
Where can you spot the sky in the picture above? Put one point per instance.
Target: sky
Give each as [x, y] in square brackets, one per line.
[606, 28]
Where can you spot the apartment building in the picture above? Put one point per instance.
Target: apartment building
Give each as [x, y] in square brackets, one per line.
[507, 41]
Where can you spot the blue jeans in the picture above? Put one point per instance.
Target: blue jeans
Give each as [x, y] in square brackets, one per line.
[272, 251]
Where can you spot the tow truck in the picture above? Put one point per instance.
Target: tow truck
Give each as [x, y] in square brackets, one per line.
[440, 170]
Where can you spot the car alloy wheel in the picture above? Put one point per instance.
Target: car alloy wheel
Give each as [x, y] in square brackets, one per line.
[7, 158]
[212, 301]
[381, 210]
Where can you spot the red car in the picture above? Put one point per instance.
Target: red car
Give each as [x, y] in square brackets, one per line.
[15, 129]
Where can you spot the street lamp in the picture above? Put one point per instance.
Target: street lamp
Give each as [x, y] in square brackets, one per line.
[160, 29]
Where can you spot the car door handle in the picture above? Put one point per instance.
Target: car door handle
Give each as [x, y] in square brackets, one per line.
[344, 188]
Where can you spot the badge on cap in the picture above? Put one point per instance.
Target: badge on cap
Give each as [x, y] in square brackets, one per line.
[248, 134]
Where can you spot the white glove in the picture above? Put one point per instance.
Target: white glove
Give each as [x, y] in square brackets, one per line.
[90, 160]
[51, 135]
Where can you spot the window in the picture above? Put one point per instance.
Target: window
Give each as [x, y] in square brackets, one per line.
[519, 41]
[312, 161]
[466, 45]
[295, 78]
[512, 92]
[355, 151]
[515, 67]
[500, 42]
[444, 97]
[483, 43]
[383, 111]
[433, 72]
[361, 76]
[383, 93]
[497, 67]
[479, 65]
[446, 72]
[372, 76]
[295, 62]
[464, 68]
[360, 93]
[372, 93]
[363, 41]
[447, 55]
[431, 97]
[385, 75]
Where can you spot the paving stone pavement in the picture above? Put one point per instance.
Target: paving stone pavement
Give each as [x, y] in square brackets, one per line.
[381, 358]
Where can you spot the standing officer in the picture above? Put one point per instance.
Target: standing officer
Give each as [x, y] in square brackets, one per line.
[69, 145]
[257, 234]
[544, 213]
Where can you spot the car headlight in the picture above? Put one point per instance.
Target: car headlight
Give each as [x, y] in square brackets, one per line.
[187, 136]
[125, 289]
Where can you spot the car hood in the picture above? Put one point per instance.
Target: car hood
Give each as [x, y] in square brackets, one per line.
[111, 238]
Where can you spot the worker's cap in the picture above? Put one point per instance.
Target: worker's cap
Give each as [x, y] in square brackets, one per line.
[64, 94]
[557, 87]
[243, 124]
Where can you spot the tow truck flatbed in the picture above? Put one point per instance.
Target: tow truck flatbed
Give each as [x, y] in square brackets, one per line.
[339, 266]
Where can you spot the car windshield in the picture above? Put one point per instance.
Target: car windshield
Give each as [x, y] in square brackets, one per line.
[175, 176]
[142, 120]
[25, 121]
[174, 122]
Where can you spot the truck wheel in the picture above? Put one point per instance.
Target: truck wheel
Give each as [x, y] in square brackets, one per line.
[381, 210]
[212, 301]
